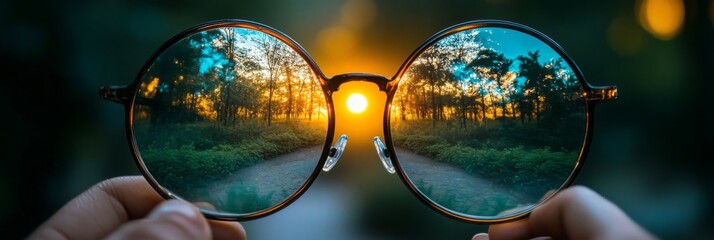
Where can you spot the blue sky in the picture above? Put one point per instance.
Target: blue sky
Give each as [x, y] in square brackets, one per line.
[514, 43]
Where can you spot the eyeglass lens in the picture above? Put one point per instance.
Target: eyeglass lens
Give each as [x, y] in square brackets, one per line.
[230, 118]
[485, 122]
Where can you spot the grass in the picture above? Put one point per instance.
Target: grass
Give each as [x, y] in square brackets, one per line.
[186, 156]
[528, 159]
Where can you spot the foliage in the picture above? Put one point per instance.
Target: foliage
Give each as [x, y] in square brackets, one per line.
[467, 77]
[182, 156]
[185, 167]
[514, 166]
[521, 156]
[229, 75]
[513, 114]
[224, 99]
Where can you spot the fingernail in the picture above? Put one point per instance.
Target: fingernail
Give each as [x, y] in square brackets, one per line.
[480, 236]
[175, 206]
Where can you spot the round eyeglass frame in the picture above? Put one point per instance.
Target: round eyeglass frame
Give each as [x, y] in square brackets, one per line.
[127, 96]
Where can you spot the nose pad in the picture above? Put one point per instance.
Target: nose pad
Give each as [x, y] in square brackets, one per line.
[335, 153]
[384, 155]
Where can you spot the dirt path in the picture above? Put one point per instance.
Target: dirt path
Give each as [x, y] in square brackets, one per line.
[268, 182]
[456, 189]
[272, 181]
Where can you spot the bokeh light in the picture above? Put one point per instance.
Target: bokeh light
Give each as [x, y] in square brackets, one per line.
[340, 46]
[624, 36]
[358, 13]
[336, 41]
[663, 19]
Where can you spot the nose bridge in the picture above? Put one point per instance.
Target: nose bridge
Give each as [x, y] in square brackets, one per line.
[355, 124]
[337, 80]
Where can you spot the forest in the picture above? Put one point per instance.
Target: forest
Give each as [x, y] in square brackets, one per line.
[496, 103]
[221, 100]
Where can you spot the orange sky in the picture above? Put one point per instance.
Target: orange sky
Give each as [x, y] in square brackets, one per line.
[360, 128]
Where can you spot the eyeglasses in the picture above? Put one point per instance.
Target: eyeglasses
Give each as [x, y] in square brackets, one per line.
[483, 122]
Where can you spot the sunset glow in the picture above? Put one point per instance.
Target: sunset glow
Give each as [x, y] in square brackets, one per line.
[356, 103]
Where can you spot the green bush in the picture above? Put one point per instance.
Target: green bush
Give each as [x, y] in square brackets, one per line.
[259, 147]
[284, 141]
[518, 166]
[186, 167]
[419, 143]
[181, 156]
[463, 156]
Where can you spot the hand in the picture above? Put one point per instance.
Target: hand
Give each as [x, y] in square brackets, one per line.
[128, 208]
[575, 213]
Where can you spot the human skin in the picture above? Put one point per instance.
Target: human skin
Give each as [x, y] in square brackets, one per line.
[575, 213]
[128, 208]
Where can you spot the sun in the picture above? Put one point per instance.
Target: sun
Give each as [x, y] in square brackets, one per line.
[356, 103]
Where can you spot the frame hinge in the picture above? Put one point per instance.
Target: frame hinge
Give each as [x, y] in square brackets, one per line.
[120, 94]
[605, 93]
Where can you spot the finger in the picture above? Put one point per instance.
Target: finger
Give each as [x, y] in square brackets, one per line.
[223, 229]
[511, 230]
[480, 236]
[101, 209]
[172, 219]
[227, 230]
[575, 213]
[580, 213]
[590, 210]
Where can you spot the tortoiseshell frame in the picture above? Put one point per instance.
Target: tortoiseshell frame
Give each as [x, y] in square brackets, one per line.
[126, 95]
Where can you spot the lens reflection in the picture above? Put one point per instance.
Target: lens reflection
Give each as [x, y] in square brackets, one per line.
[487, 121]
[232, 119]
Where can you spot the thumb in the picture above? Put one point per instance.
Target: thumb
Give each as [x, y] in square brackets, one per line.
[172, 219]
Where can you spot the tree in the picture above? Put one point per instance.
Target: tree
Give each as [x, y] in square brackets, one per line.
[492, 66]
[433, 72]
[270, 49]
[533, 87]
[167, 82]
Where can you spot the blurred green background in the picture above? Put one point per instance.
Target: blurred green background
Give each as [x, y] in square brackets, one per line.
[648, 153]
